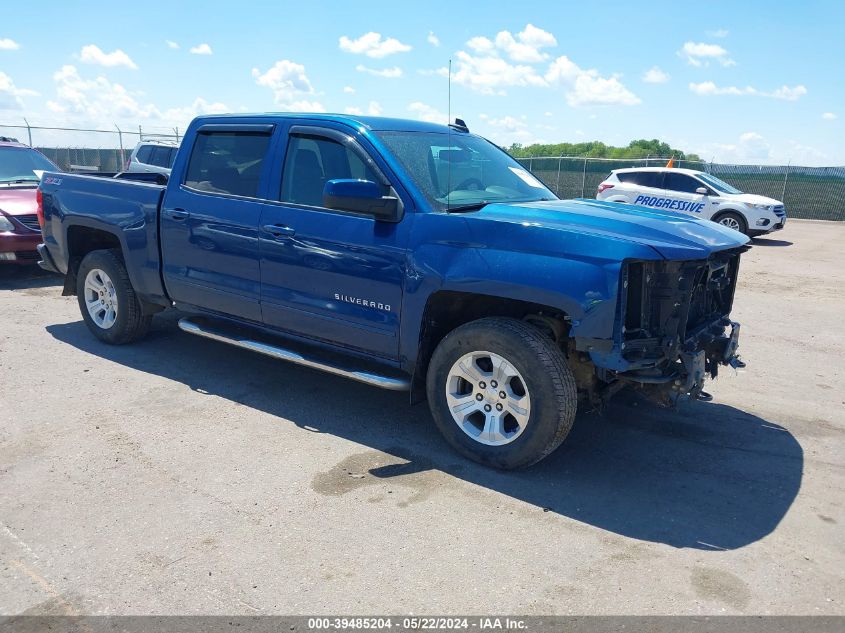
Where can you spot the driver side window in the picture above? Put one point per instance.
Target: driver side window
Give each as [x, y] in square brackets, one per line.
[311, 161]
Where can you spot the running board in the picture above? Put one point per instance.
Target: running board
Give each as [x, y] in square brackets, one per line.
[368, 378]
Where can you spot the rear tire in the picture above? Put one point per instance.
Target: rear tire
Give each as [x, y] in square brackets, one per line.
[107, 301]
[732, 220]
[512, 393]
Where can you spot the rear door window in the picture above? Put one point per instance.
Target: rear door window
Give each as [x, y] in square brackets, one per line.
[227, 162]
[143, 154]
[160, 157]
[652, 179]
[681, 183]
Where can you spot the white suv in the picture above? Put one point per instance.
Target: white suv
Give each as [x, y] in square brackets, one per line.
[696, 193]
[152, 157]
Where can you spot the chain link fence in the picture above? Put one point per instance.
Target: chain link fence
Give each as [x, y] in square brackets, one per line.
[807, 192]
[87, 150]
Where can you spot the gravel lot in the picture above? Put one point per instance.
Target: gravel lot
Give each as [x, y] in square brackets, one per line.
[181, 475]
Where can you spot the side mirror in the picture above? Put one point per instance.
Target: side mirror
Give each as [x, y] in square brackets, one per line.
[703, 191]
[360, 196]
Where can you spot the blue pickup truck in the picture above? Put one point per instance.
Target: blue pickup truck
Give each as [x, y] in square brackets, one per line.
[408, 256]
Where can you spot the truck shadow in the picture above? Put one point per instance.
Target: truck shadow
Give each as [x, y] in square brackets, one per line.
[710, 477]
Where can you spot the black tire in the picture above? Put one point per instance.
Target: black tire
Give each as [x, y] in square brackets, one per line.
[130, 324]
[547, 377]
[743, 225]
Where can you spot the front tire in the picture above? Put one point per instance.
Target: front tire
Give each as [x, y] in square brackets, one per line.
[732, 220]
[501, 392]
[107, 301]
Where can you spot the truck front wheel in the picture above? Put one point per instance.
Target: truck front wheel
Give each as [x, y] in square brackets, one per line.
[107, 301]
[501, 392]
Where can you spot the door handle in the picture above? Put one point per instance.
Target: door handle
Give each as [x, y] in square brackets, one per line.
[178, 214]
[279, 230]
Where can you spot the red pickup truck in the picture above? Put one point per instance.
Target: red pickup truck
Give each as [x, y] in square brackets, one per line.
[20, 172]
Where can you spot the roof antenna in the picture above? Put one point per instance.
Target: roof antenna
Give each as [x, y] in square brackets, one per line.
[449, 137]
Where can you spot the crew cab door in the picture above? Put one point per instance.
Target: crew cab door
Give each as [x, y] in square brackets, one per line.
[209, 221]
[328, 274]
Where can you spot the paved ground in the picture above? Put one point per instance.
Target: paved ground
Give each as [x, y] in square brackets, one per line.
[184, 476]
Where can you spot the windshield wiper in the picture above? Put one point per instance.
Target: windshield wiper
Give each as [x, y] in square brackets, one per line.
[468, 207]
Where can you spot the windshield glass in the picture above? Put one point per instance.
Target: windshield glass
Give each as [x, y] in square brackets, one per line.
[21, 163]
[718, 185]
[460, 170]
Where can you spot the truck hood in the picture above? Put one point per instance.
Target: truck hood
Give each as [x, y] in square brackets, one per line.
[18, 201]
[674, 236]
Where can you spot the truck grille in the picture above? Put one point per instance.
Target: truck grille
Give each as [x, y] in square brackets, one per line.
[670, 305]
[30, 221]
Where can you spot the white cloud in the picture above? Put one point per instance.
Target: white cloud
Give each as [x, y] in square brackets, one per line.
[387, 73]
[701, 54]
[7, 44]
[10, 94]
[372, 45]
[290, 85]
[587, 87]
[787, 93]
[719, 34]
[433, 39]
[96, 99]
[201, 49]
[373, 109]
[527, 44]
[425, 112]
[655, 75]
[92, 54]
[171, 44]
[547, 114]
[182, 116]
[486, 71]
[490, 74]
[349, 90]
[829, 116]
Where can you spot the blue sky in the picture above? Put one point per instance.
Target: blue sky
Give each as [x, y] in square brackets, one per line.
[748, 82]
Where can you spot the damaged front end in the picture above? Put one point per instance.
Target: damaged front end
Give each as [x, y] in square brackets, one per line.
[673, 328]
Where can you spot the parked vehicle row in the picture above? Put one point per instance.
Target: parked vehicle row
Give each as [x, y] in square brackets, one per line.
[405, 255]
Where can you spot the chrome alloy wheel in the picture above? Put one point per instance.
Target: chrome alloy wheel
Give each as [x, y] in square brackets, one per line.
[488, 398]
[100, 298]
[731, 223]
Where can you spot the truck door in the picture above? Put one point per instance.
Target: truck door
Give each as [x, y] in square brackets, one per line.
[209, 221]
[328, 274]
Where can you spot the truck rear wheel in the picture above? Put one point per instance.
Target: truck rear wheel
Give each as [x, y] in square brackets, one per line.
[107, 301]
[501, 392]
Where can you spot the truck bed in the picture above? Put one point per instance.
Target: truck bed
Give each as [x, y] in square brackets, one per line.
[126, 209]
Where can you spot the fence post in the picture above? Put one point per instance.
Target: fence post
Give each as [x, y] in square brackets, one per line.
[531, 164]
[584, 177]
[176, 129]
[140, 134]
[557, 186]
[28, 131]
[785, 178]
[122, 155]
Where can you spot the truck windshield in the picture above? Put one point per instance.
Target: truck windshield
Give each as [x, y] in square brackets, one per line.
[717, 184]
[21, 165]
[462, 171]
